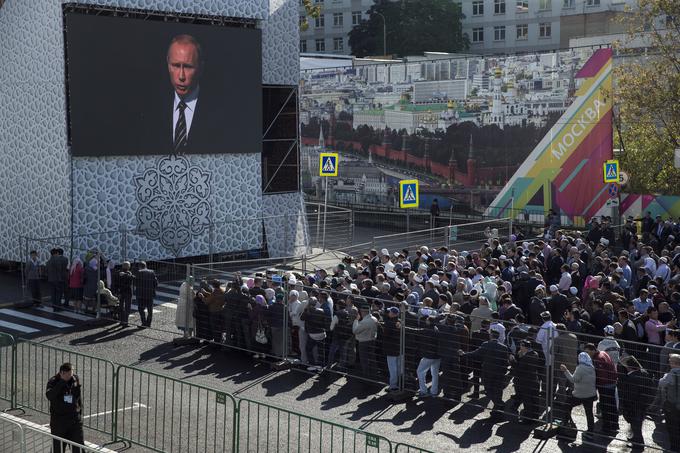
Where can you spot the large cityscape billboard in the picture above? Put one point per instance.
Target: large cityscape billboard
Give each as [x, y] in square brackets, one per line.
[140, 86]
[452, 122]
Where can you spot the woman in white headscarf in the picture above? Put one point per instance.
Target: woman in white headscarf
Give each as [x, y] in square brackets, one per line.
[585, 392]
[110, 273]
[90, 283]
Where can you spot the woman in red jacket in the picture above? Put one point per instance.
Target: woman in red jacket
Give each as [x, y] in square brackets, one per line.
[75, 283]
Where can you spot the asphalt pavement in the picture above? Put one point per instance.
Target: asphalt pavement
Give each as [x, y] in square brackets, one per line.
[432, 424]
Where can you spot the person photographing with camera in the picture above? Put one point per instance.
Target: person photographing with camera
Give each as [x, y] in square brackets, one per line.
[66, 408]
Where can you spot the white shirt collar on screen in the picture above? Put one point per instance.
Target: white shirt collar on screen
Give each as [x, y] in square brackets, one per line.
[190, 101]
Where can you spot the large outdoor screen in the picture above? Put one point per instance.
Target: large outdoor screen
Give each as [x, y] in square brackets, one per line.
[139, 86]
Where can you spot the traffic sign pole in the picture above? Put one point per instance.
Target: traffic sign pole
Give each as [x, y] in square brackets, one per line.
[328, 166]
[325, 212]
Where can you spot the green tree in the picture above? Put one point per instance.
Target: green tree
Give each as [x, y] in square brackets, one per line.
[413, 27]
[313, 11]
[647, 98]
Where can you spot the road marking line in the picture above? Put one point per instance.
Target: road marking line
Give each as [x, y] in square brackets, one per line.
[38, 319]
[133, 407]
[66, 314]
[18, 327]
[44, 428]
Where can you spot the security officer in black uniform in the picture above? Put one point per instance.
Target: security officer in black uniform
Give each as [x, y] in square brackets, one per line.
[66, 408]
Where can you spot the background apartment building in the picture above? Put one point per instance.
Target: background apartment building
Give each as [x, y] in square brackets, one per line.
[511, 26]
[329, 32]
[492, 26]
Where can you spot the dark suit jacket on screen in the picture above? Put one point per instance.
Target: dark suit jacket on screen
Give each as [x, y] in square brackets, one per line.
[207, 134]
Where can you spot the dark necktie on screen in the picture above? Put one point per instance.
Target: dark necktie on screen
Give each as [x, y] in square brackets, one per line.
[181, 128]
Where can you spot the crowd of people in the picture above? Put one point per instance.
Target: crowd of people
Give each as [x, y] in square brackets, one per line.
[571, 319]
[100, 284]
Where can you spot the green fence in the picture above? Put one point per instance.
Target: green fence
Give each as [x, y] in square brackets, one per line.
[35, 363]
[170, 415]
[263, 428]
[7, 368]
[403, 448]
[149, 406]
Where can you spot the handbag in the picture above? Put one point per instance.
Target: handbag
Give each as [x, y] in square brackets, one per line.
[261, 335]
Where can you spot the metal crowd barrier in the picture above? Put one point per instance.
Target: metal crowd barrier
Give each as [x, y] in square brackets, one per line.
[7, 367]
[268, 428]
[142, 408]
[147, 404]
[36, 363]
[18, 437]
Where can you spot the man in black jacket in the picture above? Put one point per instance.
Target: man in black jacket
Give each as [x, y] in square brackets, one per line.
[636, 392]
[66, 408]
[526, 368]
[477, 339]
[537, 306]
[557, 304]
[146, 284]
[494, 358]
[57, 275]
[391, 336]
[316, 325]
[430, 358]
[448, 344]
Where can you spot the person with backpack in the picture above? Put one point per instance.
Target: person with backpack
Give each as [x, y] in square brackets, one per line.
[636, 393]
[669, 392]
[342, 342]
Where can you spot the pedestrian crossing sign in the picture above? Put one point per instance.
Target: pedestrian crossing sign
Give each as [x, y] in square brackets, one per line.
[328, 164]
[611, 171]
[408, 193]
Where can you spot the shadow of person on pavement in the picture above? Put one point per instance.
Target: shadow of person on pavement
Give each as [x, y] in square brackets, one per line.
[111, 333]
[479, 432]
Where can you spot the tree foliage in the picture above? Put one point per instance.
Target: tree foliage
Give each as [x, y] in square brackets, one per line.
[413, 27]
[313, 11]
[647, 97]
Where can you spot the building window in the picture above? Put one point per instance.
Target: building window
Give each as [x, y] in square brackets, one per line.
[592, 2]
[499, 6]
[478, 8]
[544, 5]
[544, 30]
[478, 35]
[499, 33]
[320, 22]
[338, 44]
[337, 19]
[522, 6]
[356, 17]
[522, 32]
[303, 45]
[567, 3]
[320, 45]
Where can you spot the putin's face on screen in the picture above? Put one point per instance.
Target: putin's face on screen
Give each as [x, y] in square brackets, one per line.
[184, 64]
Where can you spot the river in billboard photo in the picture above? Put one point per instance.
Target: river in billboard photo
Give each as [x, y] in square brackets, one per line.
[452, 123]
[162, 87]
